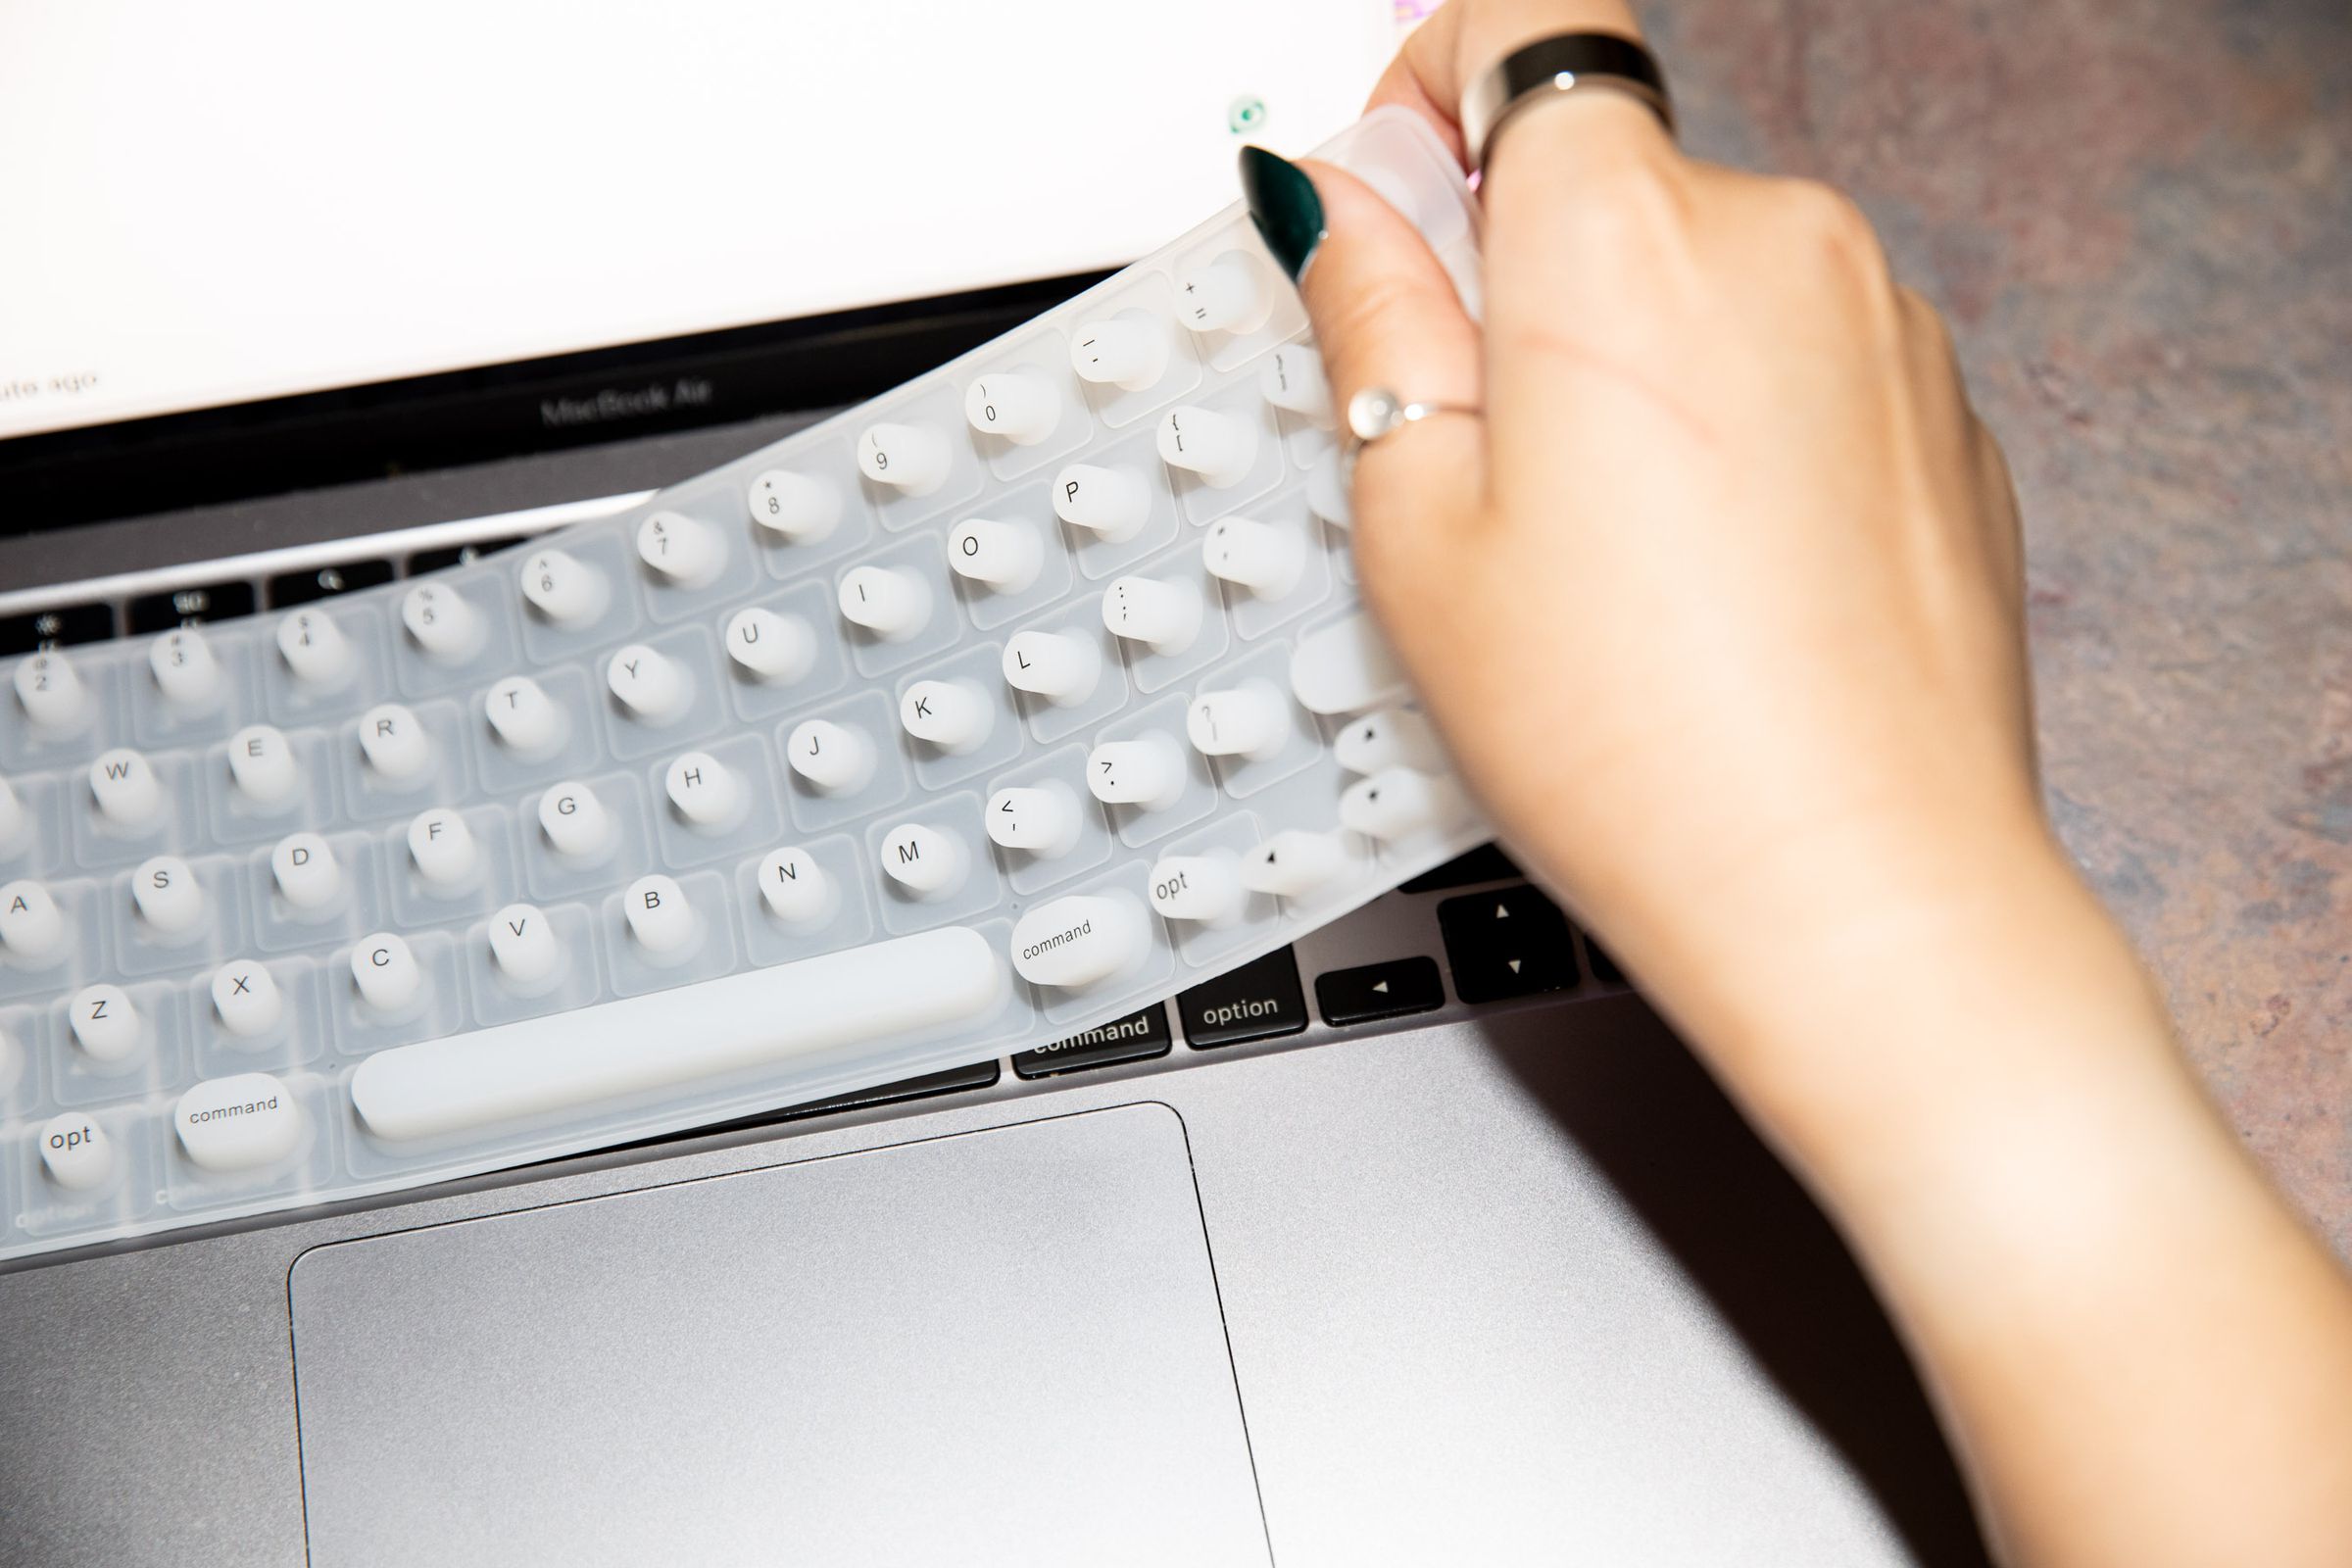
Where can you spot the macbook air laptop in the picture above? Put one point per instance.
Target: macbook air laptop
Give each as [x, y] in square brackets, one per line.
[1421, 1242]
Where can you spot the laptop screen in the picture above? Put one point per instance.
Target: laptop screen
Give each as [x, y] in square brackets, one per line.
[246, 202]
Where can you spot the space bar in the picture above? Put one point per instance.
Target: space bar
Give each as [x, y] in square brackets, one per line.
[886, 991]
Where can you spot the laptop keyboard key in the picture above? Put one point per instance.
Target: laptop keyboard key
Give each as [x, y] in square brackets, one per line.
[1259, 1001]
[1137, 1037]
[1512, 942]
[1380, 991]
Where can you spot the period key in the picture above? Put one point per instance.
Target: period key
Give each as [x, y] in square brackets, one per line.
[1259, 1001]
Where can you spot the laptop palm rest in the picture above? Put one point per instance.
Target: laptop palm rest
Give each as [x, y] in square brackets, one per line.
[1002, 1342]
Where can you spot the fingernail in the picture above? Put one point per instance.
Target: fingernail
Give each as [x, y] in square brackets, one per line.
[1284, 205]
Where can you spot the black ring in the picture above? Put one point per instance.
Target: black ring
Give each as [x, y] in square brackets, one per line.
[1560, 64]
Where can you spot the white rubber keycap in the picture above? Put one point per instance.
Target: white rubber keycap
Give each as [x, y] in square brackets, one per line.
[1113, 503]
[1398, 803]
[398, 749]
[75, 1151]
[1042, 819]
[1346, 667]
[186, 671]
[794, 507]
[1394, 737]
[247, 998]
[1205, 889]
[523, 946]
[1295, 864]
[923, 859]
[910, 458]
[1151, 609]
[106, 1022]
[827, 1006]
[576, 824]
[1217, 447]
[442, 848]
[33, 929]
[648, 683]
[168, 898]
[1252, 721]
[1080, 941]
[304, 870]
[387, 972]
[1005, 556]
[705, 791]
[797, 890]
[1257, 556]
[564, 588]
[442, 622]
[123, 784]
[772, 648]
[260, 763]
[834, 759]
[1292, 380]
[661, 920]
[315, 649]
[1060, 668]
[1233, 293]
[954, 716]
[1148, 772]
[1129, 351]
[682, 549]
[242, 1122]
[892, 604]
[52, 694]
[1020, 405]
[526, 719]
[1327, 491]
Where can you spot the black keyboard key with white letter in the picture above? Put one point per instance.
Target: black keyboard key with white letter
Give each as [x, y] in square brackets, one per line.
[1259, 1001]
[1135, 1038]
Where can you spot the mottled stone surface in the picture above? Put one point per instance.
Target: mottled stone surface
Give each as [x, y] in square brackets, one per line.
[2139, 216]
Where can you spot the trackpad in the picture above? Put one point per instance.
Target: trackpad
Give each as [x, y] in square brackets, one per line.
[1004, 1344]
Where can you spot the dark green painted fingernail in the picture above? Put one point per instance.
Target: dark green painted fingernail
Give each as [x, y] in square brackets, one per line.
[1284, 205]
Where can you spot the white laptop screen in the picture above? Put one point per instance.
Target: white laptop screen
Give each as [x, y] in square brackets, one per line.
[213, 204]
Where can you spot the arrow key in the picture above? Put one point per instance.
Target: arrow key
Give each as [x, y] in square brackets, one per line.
[1512, 942]
[1378, 991]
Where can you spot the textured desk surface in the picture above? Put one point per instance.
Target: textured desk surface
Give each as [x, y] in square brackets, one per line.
[2139, 216]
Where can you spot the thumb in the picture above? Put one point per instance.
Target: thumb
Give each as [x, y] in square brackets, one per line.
[1385, 315]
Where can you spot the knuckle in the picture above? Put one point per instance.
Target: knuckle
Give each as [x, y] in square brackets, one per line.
[1826, 219]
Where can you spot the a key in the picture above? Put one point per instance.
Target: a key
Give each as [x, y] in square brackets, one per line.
[168, 898]
[1252, 721]
[1146, 772]
[653, 686]
[525, 719]
[123, 784]
[564, 589]
[1113, 504]
[834, 759]
[523, 946]
[1257, 556]
[106, 1022]
[1293, 378]
[1164, 615]
[186, 671]
[315, 651]
[1217, 447]
[1020, 405]
[387, 972]
[682, 549]
[892, 604]
[304, 867]
[33, 929]
[242, 1122]
[1042, 819]
[704, 790]
[442, 622]
[76, 1152]
[576, 824]
[1129, 351]
[661, 920]
[1061, 669]
[910, 458]
[1203, 888]
[1231, 294]
[1394, 737]
[1344, 668]
[397, 748]
[51, 693]
[772, 647]
[1080, 941]
[794, 507]
[261, 763]
[954, 716]
[797, 890]
[442, 848]
[926, 862]
[1295, 863]
[1400, 802]
[247, 998]
[1005, 556]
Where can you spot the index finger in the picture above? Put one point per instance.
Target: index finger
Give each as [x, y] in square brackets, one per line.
[1463, 37]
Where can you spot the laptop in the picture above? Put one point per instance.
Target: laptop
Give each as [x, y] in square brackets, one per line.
[1421, 1241]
